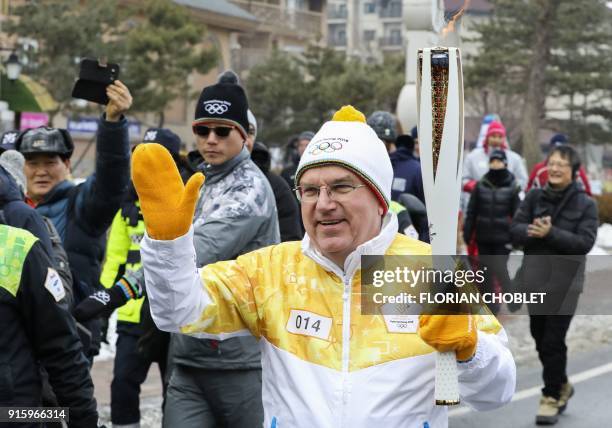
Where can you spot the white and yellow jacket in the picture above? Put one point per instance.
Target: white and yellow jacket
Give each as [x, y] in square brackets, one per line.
[324, 363]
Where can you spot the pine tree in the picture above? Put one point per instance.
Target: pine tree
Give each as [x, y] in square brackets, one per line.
[556, 51]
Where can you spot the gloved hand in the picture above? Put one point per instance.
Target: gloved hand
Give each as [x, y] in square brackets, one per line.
[447, 333]
[167, 205]
[469, 186]
[104, 302]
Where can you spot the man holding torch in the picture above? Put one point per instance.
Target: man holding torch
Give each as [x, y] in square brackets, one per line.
[324, 363]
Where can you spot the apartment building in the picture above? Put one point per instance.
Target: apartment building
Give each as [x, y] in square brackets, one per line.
[365, 29]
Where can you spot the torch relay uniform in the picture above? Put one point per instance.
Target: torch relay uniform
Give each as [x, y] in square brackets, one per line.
[324, 363]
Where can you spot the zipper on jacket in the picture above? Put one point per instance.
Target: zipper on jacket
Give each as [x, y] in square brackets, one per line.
[346, 344]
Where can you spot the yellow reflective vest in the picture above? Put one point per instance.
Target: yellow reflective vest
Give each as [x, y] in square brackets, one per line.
[123, 254]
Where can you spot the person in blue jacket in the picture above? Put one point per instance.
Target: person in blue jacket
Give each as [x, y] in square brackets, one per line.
[81, 214]
[406, 169]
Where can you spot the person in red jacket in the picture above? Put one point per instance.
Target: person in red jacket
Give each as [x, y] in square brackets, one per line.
[539, 174]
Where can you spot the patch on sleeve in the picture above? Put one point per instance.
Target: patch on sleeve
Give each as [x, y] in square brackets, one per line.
[54, 285]
[398, 184]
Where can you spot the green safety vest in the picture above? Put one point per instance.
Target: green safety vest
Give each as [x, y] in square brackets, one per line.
[15, 245]
[122, 247]
[396, 207]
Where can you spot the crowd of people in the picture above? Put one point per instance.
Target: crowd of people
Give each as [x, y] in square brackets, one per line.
[245, 291]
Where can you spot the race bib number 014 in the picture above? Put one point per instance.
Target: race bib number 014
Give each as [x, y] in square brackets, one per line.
[309, 324]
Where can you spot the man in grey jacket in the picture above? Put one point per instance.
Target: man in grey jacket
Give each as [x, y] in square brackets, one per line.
[218, 384]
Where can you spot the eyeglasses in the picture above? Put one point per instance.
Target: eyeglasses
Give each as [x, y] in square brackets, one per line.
[557, 164]
[220, 131]
[340, 192]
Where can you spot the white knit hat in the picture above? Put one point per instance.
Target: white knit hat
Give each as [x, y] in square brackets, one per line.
[347, 141]
[13, 163]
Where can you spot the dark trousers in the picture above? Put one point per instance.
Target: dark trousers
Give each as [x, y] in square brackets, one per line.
[129, 372]
[495, 258]
[549, 332]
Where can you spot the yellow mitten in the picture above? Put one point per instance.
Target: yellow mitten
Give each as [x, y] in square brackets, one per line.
[447, 333]
[167, 205]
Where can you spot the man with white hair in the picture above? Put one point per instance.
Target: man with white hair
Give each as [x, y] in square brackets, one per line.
[325, 364]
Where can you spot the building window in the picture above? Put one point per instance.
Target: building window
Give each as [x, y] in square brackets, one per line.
[337, 11]
[337, 35]
[395, 37]
[369, 8]
[369, 35]
[392, 10]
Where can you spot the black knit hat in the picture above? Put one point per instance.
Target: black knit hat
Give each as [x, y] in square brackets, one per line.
[499, 155]
[224, 102]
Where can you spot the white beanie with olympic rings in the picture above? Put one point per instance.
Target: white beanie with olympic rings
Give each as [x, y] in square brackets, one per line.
[349, 142]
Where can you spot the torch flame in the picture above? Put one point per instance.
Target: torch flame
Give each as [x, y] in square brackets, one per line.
[450, 27]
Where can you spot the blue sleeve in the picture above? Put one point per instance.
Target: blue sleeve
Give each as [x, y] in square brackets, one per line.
[100, 196]
[418, 185]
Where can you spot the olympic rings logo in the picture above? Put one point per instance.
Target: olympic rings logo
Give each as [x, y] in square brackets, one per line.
[325, 147]
[215, 108]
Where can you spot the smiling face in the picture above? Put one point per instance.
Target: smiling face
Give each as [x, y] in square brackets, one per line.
[337, 228]
[559, 171]
[216, 149]
[43, 171]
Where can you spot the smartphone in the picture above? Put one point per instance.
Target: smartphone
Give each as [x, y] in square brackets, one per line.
[94, 77]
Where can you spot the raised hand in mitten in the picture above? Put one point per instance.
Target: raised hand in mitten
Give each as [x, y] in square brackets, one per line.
[167, 205]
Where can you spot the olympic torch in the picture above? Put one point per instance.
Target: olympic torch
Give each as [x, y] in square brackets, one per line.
[440, 122]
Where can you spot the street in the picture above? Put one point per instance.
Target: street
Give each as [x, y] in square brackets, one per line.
[589, 343]
[591, 374]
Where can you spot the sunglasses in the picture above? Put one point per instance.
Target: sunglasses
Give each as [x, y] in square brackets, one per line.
[220, 131]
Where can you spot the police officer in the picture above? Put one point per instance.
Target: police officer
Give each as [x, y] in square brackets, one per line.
[81, 214]
[37, 330]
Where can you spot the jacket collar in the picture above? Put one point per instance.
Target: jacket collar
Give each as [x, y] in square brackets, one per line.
[215, 173]
[375, 246]
[58, 192]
